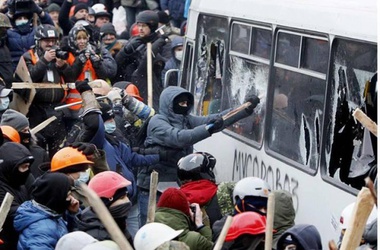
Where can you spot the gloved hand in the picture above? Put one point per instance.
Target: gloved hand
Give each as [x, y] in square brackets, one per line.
[215, 125]
[95, 60]
[35, 8]
[158, 44]
[86, 148]
[82, 86]
[11, 7]
[114, 94]
[254, 100]
[82, 58]
[132, 45]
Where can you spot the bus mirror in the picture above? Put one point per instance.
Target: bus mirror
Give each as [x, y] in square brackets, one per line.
[172, 77]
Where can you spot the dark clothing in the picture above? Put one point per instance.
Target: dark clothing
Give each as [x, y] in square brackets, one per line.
[176, 131]
[132, 67]
[176, 9]
[6, 68]
[12, 155]
[305, 237]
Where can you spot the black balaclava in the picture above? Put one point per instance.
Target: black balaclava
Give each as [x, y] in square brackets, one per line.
[179, 109]
[51, 190]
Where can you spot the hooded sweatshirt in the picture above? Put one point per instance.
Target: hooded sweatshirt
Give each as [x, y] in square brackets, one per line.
[305, 236]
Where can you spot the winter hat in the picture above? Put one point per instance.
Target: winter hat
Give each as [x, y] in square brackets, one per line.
[107, 28]
[51, 190]
[80, 6]
[75, 241]
[14, 119]
[107, 112]
[163, 17]
[175, 199]
[53, 7]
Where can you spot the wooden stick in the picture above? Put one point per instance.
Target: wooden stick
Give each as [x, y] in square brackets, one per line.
[365, 121]
[332, 245]
[43, 124]
[152, 197]
[27, 85]
[235, 111]
[362, 209]
[219, 242]
[4, 209]
[149, 74]
[371, 187]
[106, 218]
[269, 224]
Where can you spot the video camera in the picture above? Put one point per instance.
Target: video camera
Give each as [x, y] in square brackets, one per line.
[61, 54]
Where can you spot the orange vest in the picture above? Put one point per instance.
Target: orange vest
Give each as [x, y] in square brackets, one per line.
[74, 95]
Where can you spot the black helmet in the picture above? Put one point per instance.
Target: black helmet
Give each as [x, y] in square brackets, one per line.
[150, 18]
[45, 31]
[196, 166]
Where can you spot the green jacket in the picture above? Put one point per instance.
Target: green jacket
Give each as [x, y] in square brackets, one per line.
[196, 240]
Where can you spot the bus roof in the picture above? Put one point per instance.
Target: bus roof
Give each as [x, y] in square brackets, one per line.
[348, 18]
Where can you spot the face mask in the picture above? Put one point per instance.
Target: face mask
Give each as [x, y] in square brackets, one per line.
[120, 211]
[4, 103]
[178, 55]
[23, 137]
[109, 127]
[21, 22]
[83, 178]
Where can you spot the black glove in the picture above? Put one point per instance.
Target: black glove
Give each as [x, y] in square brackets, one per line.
[95, 60]
[86, 148]
[254, 100]
[82, 86]
[215, 125]
[158, 44]
[132, 45]
[35, 8]
[82, 58]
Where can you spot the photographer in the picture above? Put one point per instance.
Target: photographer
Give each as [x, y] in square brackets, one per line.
[21, 36]
[46, 64]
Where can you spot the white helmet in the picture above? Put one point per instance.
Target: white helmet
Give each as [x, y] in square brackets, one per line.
[100, 87]
[346, 214]
[251, 186]
[154, 234]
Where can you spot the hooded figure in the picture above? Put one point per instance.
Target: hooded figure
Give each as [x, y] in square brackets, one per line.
[12, 181]
[40, 221]
[175, 61]
[303, 236]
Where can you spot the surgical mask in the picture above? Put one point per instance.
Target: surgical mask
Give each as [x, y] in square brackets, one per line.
[21, 22]
[4, 103]
[83, 178]
[109, 127]
[178, 55]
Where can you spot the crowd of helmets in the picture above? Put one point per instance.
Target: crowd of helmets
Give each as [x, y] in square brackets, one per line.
[43, 165]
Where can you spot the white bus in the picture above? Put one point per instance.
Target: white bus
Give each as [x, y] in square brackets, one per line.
[311, 62]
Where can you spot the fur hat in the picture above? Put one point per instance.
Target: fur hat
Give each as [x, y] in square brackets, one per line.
[14, 119]
[175, 199]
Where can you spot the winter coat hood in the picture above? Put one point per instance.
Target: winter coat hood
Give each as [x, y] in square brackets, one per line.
[305, 236]
[167, 103]
[284, 213]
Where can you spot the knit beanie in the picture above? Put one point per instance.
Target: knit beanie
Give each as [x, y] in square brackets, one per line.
[107, 28]
[51, 189]
[80, 6]
[175, 199]
[107, 112]
[75, 241]
[53, 7]
[14, 119]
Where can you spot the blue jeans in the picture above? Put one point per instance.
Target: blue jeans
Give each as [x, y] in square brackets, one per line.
[143, 202]
[133, 220]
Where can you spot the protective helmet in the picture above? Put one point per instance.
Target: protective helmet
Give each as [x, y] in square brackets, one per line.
[105, 184]
[154, 234]
[100, 87]
[196, 166]
[251, 186]
[45, 31]
[346, 215]
[4, 21]
[73, 35]
[134, 30]
[100, 10]
[132, 90]
[10, 133]
[67, 157]
[246, 223]
[91, 11]
[149, 17]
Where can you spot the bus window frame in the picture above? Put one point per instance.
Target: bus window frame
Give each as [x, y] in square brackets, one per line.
[187, 68]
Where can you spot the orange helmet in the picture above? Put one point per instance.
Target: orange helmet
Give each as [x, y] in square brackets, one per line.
[132, 90]
[105, 184]
[68, 157]
[10, 133]
[246, 223]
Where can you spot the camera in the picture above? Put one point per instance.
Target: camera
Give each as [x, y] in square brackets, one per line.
[61, 54]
